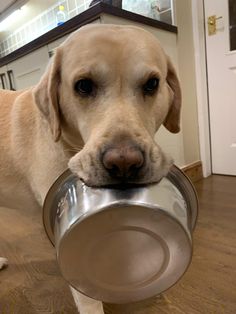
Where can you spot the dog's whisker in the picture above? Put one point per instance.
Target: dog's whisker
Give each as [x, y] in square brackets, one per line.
[78, 147]
[73, 149]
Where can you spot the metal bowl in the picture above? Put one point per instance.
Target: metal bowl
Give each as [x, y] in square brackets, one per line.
[122, 245]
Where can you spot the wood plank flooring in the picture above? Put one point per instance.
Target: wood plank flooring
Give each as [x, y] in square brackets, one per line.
[32, 283]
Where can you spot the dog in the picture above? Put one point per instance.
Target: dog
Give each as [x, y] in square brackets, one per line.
[104, 95]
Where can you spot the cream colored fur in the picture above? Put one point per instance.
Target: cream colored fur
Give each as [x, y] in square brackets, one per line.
[50, 126]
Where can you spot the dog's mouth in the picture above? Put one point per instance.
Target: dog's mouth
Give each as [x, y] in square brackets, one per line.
[119, 168]
[106, 180]
[119, 185]
[122, 185]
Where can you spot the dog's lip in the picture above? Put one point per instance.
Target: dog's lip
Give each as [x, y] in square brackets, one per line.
[118, 184]
[123, 186]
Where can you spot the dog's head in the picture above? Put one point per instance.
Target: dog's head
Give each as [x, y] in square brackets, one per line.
[111, 87]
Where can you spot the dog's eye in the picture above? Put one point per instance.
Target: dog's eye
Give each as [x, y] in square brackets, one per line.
[84, 87]
[151, 85]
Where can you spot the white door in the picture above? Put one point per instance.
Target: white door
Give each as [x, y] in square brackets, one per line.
[221, 64]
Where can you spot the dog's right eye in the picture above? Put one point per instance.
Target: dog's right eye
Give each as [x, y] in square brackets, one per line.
[151, 86]
[84, 87]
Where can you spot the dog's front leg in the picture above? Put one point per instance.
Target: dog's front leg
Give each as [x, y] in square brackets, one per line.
[85, 304]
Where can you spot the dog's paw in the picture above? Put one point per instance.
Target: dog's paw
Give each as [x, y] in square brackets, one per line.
[3, 262]
[86, 305]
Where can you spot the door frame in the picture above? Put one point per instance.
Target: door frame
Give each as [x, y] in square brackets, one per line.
[199, 39]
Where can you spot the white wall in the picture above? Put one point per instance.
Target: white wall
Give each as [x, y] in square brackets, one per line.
[201, 84]
[187, 74]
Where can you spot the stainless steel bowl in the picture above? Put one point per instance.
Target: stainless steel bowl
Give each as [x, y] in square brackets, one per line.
[122, 245]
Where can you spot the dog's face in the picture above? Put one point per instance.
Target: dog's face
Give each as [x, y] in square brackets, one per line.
[111, 87]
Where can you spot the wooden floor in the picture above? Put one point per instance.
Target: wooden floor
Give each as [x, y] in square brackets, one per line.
[32, 283]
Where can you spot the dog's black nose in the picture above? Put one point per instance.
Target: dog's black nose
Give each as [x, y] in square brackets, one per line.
[123, 162]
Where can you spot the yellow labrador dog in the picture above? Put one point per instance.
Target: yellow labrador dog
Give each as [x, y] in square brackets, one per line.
[97, 108]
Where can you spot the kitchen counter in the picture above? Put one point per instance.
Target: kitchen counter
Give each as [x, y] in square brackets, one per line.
[85, 17]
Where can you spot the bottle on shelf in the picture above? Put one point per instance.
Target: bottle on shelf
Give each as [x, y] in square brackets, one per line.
[61, 15]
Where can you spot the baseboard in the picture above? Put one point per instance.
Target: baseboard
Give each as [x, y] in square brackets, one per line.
[193, 171]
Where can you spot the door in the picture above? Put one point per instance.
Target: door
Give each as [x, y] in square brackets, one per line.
[220, 18]
[27, 71]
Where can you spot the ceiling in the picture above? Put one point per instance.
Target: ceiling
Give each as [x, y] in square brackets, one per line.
[4, 4]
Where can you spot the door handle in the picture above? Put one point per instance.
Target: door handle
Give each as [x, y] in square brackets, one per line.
[3, 80]
[10, 77]
[211, 21]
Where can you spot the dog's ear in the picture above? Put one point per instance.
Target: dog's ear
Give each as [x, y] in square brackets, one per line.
[46, 95]
[172, 121]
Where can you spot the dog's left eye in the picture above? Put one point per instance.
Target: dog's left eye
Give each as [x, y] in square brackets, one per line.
[151, 85]
[84, 87]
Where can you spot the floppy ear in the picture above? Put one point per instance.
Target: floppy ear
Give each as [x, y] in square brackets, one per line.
[172, 121]
[46, 95]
